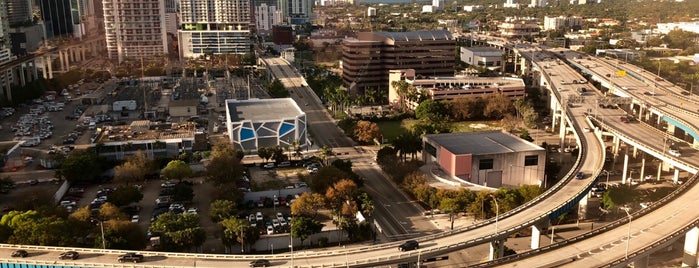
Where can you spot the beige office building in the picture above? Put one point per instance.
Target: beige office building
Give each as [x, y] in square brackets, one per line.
[134, 28]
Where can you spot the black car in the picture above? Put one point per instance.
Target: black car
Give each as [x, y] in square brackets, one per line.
[579, 176]
[409, 245]
[130, 257]
[259, 263]
[69, 255]
[20, 253]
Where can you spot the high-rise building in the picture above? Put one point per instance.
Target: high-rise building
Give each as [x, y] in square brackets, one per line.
[298, 12]
[134, 28]
[562, 23]
[19, 11]
[58, 17]
[5, 55]
[265, 17]
[214, 26]
[366, 60]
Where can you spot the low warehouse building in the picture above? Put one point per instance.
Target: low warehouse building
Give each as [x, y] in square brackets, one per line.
[487, 158]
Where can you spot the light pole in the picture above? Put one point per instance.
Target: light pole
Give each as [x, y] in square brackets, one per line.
[628, 237]
[242, 238]
[274, 204]
[607, 173]
[291, 244]
[497, 213]
[104, 244]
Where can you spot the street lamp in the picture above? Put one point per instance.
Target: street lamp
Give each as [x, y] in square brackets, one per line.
[242, 238]
[607, 173]
[497, 213]
[628, 237]
[291, 243]
[104, 244]
[274, 204]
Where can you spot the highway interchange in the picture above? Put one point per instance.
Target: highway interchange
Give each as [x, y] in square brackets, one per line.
[646, 229]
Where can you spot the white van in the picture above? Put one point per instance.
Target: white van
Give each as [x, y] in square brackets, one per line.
[92, 125]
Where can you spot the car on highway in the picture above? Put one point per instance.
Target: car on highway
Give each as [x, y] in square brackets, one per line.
[268, 165]
[20, 253]
[579, 176]
[675, 152]
[259, 263]
[130, 257]
[409, 245]
[69, 255]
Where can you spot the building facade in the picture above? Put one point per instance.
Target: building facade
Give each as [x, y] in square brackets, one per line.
[562, 23]
[519, 28]
[257, 123]
[266, 17]
[482, 56]
[18, 11]
[488, 158]
[455, 87]
[366, 60]
[58, 17]
[218, 27]
[134, 28]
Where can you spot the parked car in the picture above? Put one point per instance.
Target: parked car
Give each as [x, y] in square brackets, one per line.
[409, 245]
[20, 253]
[134, 218]
[130, 257]
[69, 255]
[259, 263]
[268, 165]
[270, 229]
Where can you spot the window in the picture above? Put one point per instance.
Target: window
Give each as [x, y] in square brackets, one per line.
[531, 160]
[485, 164]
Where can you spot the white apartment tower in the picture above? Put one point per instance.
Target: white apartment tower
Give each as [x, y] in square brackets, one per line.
[214, 26]
[265, 17]
[134, 28]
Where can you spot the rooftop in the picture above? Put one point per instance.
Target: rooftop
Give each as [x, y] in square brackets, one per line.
[483, 49]
[262, 109]
[145, 130]
[417, 35]
[482, 142]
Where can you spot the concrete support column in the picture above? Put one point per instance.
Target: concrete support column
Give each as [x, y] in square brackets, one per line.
[643, 168]
[635, 152]
[82, 54]
[641, 262]
[35, 70]
[615, 145]
[640, 111]
[49, 66]
[671, 129]
[676, 176]
[562, 129]
[691, 243]
[536, 237]
[660, 169]
[8, 85]
[22, 78]
[498, 245]
[625, 169]
[582, 207]
[61, 62]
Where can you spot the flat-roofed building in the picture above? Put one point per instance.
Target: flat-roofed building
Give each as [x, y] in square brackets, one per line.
[487, 158]
[153, 138]
[454, 87]
[257, 123]
[482, 56]
[183, 108]
[519, 29]
[367, 59]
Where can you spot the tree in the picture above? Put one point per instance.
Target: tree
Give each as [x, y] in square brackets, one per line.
[326, 177]
[265, 153]
[134, 169]
[221, 209]
[81, 167]
[179, 232]
[177, 170]
[124, 195]
[122, 234]
[182, 192]
[238, 230]
[302, 227]
[431, 110]
[308, 205]
[618, 196]
[366, 132]
[365, 203]
[224, 166]
[325, 152]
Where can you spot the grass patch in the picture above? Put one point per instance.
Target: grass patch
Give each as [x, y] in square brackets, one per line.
[471, 126]
[392, 129]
